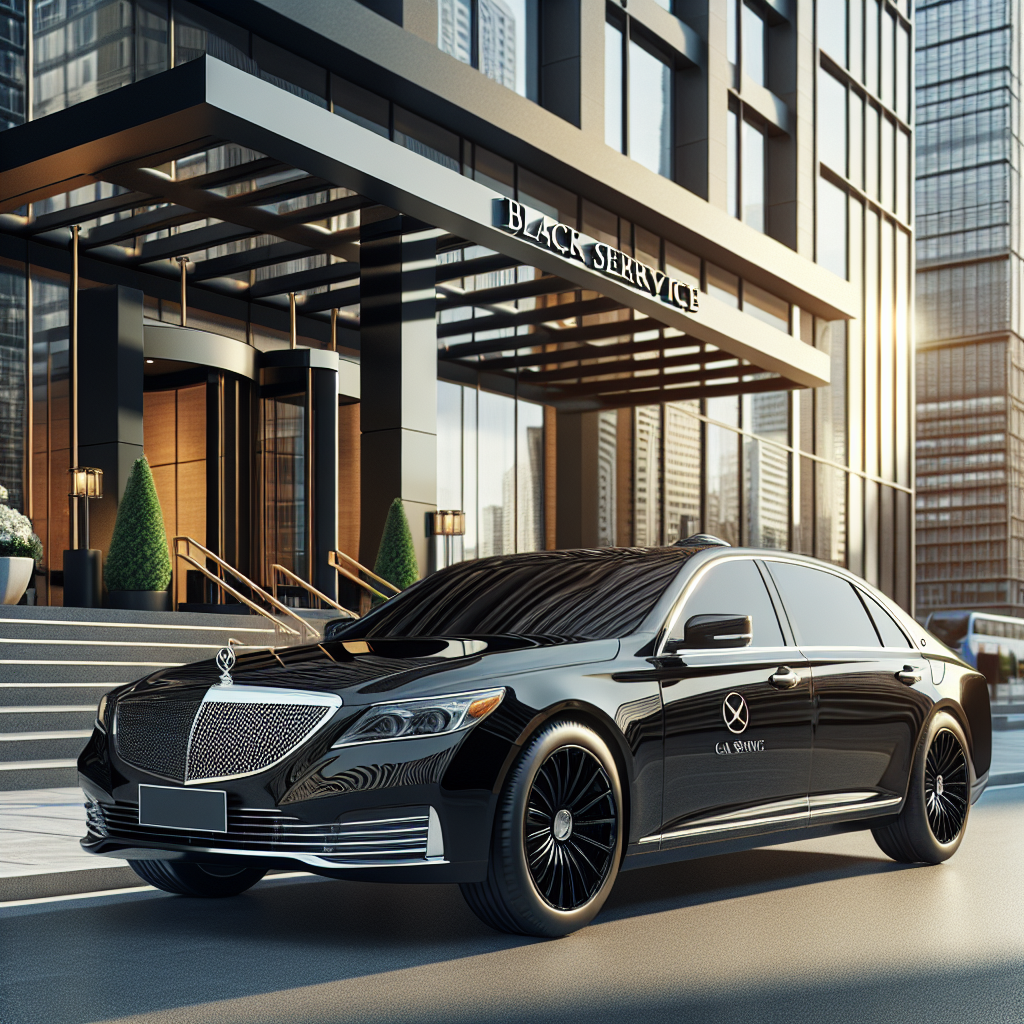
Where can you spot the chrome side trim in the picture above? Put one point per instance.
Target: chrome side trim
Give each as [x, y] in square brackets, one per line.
[806, 808]
[304, 858]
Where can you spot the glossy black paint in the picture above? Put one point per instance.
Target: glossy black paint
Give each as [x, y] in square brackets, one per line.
[847, 724]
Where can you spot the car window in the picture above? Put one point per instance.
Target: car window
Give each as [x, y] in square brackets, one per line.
[888, 630]
[734, 587]
[823, 609]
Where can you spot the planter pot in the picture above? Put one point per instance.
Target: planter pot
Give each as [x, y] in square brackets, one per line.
[139, 600]
[15, 575]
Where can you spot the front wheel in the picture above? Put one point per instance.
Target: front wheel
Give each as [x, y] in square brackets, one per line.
[557, 836]
[934, 816]
[187, 878]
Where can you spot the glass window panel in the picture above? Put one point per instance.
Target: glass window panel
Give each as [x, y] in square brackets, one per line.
[824, 610]
[355, 103]
[832, 125]
[732, 32]
[766, 469]
[647, 475]
[855, 158]
[752, 27]
[494, 171]
[832, 29]
[902, 72]
[13, 43]
[529, 477]
[613, 85]
[871, 166]
[887, 163]
[902, 175]
[684, 265]
[723, 285]
[150, 38]
[13, 341]
[607, 477]
[722, 472]
[765, 306]
[682, 470]
[734, 587]
[455, 28]
[832, 227]
[650, 110]
[470, 492]
[504, 32]
[646, 246]
[871, 15]
[427, 139]
[197, 31]
[887, 59]
[496, 474]
[752, 179]
[733, 150]
[291, 73]
[449, 445]
[600, 224]
[547, 197]
[856, 42]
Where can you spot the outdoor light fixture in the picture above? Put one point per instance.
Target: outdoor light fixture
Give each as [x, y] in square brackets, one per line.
[86, 483]
[449, 523]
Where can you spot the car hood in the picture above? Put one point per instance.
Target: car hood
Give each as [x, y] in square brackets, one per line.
[369, 671]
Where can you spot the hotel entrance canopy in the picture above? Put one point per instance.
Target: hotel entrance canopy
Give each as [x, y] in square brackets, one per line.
[586, 328]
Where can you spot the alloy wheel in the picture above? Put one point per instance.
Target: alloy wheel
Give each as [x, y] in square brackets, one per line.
[570, 828]
[946, 786]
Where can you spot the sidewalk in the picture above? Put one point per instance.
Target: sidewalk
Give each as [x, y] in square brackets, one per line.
[40, 829]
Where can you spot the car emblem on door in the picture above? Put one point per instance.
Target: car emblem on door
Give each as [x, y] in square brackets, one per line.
[735, 712]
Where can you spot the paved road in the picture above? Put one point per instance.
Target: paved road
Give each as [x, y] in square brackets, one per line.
[816, 931]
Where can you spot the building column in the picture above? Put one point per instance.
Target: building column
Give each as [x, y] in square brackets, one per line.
[398, 379]
[110, 361]
[577, 492]
[324, 444]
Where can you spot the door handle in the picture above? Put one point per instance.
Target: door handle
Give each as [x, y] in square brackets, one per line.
[909, 675]
[784, 678]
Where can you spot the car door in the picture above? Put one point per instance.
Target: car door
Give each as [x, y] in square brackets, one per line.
[867, 714]
[737, 720]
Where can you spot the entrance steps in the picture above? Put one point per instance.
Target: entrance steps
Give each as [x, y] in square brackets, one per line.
[56, 663]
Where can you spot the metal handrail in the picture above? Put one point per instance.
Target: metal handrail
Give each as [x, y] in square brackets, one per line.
[189, 542]
[332, 559]
[288, 574]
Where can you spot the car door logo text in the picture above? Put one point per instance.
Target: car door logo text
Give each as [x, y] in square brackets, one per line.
[740, 747]
[735, 712]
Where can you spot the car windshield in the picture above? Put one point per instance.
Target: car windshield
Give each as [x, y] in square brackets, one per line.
[949, 627]
[585, 594]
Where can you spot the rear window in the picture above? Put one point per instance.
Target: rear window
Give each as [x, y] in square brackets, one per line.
[586, 594]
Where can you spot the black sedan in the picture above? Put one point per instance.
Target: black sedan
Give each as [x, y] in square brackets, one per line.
[530, 725]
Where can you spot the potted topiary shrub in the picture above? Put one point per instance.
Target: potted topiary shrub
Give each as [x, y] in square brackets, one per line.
[20, 549]
[396, 557]
[138, 566]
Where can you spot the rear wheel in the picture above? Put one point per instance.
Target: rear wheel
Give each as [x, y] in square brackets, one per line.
[186, 878]
[557, 836]
[934, 816]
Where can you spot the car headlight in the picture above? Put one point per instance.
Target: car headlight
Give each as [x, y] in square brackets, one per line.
[431, 716]
[101, 713]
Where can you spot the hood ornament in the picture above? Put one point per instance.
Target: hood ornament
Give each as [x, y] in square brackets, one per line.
[225, 662]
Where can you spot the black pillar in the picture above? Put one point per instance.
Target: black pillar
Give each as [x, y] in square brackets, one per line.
[398, 378]
[110, 364]
[324, 395]
[576, 524]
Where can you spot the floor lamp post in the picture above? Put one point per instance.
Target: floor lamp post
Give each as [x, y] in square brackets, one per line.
[83, 566]
[449, 524]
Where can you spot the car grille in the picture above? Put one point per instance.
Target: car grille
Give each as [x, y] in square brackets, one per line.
[252, 830]
[188, 739]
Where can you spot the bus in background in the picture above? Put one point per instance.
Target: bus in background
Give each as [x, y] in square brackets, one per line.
[993, 644]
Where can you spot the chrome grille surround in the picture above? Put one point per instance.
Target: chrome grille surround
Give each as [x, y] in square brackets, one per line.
[400, 840]
[233, 731]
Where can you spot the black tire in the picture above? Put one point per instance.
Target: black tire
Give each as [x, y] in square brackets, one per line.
[187, 878]
[934, 816]
[551, 867]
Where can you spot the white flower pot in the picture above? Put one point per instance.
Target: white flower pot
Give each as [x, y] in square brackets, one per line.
[15, 574]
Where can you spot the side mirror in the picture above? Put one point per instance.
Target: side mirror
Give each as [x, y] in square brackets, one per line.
[710, 631]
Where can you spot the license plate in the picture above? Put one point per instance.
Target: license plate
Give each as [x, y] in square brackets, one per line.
[199, 810]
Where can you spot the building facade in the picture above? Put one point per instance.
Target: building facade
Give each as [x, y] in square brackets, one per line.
[970, 389]
[377, 207]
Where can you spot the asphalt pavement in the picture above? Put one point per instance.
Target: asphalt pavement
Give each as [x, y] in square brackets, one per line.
[817, 931]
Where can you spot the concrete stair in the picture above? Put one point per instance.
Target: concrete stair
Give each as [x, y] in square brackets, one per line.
[56, 663]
